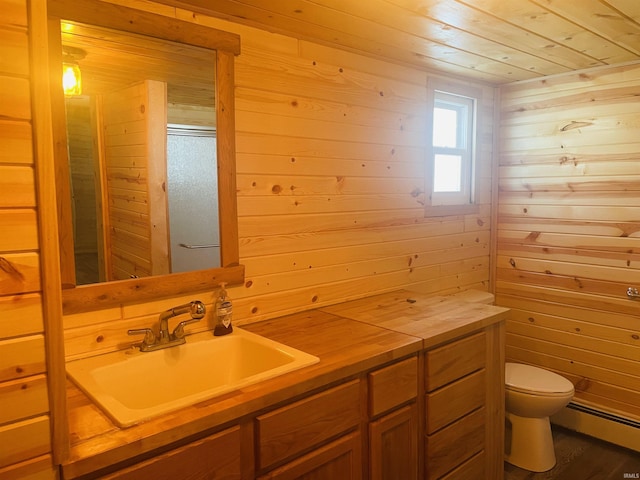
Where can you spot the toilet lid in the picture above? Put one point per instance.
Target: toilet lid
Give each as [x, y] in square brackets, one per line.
[527, 378]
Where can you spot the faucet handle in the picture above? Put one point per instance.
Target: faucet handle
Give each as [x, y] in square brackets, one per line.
[178, 332]
[149, 336]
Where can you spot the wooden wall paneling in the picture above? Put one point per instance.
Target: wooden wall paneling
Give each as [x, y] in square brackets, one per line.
[160, 254]
[23, 398]
[15, 97]
[24, 440]
[304, 178]
[16, 141]
[81, 161]
[592, 321]
[415, 251]
[567, 222]
[22, 223]
[20, 273]
[619, 358]
[21, 315]
[17, 187]
[15, 12]
[573, 299]
[21, 357]
[127, 173]
[101, 189]
[342, 135]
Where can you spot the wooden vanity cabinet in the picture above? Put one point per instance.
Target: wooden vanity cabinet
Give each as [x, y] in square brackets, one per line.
[340, 459]
[316, 437]
[393, 430]
[463, 401]
[435, 413]
[215, 456]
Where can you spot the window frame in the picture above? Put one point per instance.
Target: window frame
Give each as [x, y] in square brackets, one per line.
[452, 203]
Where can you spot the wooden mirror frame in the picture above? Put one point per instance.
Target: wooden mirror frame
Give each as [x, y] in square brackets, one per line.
[226, 45]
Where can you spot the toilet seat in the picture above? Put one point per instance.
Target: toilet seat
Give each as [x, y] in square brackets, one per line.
[535, 381]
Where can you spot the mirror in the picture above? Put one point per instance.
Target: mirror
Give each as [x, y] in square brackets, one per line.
[155, 115]
[142, 155]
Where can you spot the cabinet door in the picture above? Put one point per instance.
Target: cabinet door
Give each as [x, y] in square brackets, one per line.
[393, 445]
[341, 459]
[216, 456]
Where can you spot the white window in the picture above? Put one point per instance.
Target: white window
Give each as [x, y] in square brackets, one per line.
[451, 149]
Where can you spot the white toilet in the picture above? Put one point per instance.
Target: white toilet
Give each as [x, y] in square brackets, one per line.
[532, 395]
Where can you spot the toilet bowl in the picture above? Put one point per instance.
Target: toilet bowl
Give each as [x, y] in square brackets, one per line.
[532, 395]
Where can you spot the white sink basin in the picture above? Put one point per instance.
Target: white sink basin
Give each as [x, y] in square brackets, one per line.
[132, 386]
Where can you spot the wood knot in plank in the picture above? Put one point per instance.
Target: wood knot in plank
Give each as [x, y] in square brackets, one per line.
[573, 125]
[7, 267]
[532, 237]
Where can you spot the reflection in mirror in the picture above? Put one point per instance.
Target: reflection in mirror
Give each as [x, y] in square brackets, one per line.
[188, 71]
[144, 199]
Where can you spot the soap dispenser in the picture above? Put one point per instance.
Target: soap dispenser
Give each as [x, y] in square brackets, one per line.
[224, 311]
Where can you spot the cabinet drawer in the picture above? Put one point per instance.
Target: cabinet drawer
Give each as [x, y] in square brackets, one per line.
[393, 385]
[292, 429]
[454, 444]
[472, 468]
[216, 456]
[340, 459]
[455, 400]
[454, 360]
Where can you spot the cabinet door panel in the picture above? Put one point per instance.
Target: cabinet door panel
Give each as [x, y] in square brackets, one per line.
[341, 459]
[292, 429]
[393, 385]
[454, 360]
[452, 445]
[472, 468]
[217, 456]
[393, 445]
[451, 402]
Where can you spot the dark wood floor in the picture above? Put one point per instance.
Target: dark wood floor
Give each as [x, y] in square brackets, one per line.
[580, 457]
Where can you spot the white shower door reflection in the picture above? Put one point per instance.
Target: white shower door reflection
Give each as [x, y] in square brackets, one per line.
[192, 186]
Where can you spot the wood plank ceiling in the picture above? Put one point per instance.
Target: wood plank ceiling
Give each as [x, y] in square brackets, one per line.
[494, 41]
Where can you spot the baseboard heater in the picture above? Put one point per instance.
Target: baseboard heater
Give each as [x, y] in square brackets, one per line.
[606, 426]
[607, 416]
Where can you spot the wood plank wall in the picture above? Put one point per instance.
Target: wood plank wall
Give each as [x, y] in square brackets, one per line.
[81, 166]
[569, 228]
[138, 236]
[25, 450]
[330, 165]
[331, 151]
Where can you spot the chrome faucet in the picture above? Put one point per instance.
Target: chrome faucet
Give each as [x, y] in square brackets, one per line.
[164, 339]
